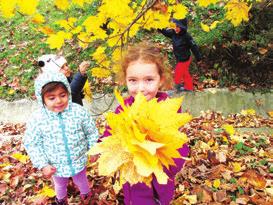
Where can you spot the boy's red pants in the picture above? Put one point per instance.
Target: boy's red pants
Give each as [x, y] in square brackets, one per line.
[182, 73]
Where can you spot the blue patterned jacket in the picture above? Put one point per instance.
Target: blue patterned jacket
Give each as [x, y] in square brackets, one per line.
[59, 139]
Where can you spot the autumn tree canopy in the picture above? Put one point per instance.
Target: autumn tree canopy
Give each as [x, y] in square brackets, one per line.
[116, 22]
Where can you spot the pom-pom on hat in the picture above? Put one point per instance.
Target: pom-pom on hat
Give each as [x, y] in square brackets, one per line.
[182, 23]
[51, 62]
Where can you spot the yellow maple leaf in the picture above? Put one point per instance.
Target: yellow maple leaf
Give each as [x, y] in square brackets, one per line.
[38, 18]
[100, 72]
[229, 129]
[5, 165]
[78, 2]
[87, 92]
[208, 183]
[216, 183]
[7, 8]
[270, 113]
[56, 40]
[224, 138]
[207, 28]
[205, 3]
[63, 23]
[236, 167]
[84, 39]
[47, 192]
[46, 30]
[144, 140]
[99, 55]
[180, 11]
[62, 4]
[27, 7]
[20, 157]
[237, 11]
[248, 112]
[11, 91]
[76, 30]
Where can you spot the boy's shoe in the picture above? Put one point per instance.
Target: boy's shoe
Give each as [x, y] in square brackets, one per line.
[86, 198]
[185, 90]
[61, 201]
[180, 88]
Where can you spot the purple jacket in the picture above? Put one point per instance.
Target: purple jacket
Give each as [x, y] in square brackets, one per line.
[140, 193]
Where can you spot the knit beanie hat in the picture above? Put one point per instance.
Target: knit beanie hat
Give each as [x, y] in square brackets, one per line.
[51, 62]
[182, 23]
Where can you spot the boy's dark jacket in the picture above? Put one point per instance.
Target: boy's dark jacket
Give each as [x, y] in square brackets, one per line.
[77, 84]
[183, 43]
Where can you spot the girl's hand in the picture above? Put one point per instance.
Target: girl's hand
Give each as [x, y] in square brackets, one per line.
[48, 171]
[83, 67]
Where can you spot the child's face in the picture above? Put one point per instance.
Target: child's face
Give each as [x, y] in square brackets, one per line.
[177, 29]
[65, 70]
[143, 77]
[56, 100]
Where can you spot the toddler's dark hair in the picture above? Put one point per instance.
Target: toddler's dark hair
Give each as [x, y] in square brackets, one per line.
[49, 87]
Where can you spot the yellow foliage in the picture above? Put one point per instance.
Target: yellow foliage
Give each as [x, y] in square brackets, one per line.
[270, 113]
[156, 19]
[87, 92]
[99, 55]
[7, 8]
[229, 129]
[100, 72]
[20, 157]
[76, 30]
[47, 192]
[208, 183]
[46, 30]
[28, 7]
[38, 18]
[78, 2]
[56, 40]
[84, 39]
[248, 112]
[236, 167]
[11, 91]
[207, 28]
[237, 11]
[5, 165]
[116, 8]
[216, 183]
[205, 3]
[180, 11]
[62, 4]
[145, 137]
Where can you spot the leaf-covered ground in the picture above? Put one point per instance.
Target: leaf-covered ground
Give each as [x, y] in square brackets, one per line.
[225, 166]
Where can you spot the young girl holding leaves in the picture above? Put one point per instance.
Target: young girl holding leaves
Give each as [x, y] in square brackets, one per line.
[143, 71]
[58, 136]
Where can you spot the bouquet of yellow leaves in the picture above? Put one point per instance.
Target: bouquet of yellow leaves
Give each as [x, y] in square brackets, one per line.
[145, 138]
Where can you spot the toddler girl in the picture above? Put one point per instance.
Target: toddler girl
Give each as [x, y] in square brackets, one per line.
[58, 136]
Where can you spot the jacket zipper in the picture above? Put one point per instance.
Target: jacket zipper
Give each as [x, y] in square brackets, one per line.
[62, 126]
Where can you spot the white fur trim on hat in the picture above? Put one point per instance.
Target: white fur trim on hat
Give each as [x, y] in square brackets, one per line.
[51, 62]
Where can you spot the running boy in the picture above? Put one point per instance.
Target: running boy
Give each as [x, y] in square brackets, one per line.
[183, 45]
